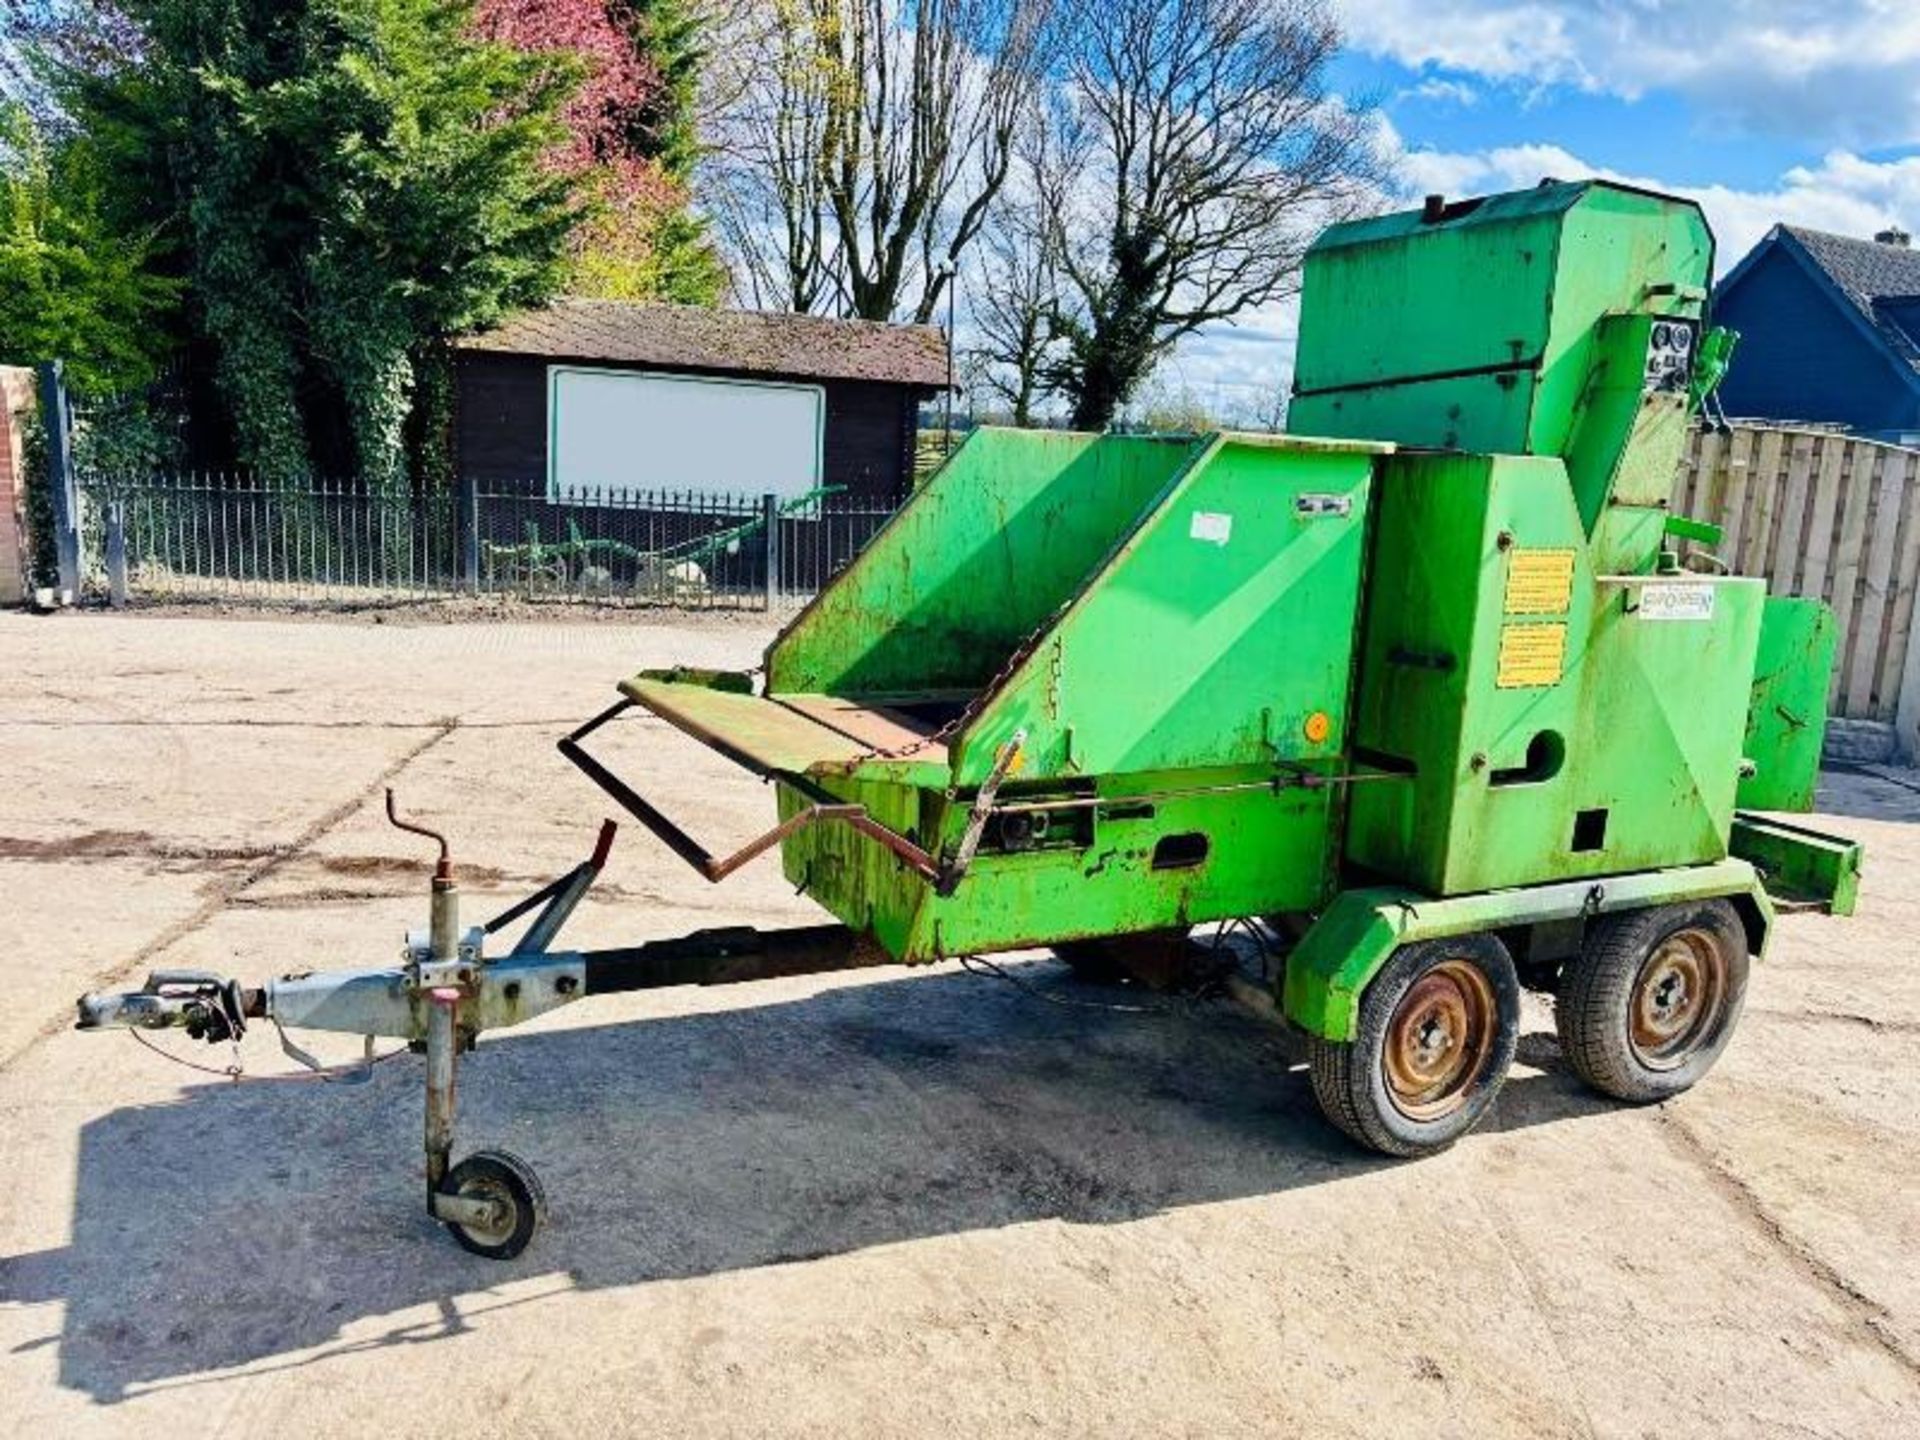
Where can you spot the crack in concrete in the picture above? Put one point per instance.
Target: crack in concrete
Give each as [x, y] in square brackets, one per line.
[1522, 1267]
[601, 894]
[1867, 1315]
[228, 890]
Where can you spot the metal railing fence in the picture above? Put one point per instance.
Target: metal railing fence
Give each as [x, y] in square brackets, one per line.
[224, 538]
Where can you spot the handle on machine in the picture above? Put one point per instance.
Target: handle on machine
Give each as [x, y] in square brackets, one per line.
[823, 807]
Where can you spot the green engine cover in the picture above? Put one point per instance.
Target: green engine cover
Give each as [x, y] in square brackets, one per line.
[1559, 722]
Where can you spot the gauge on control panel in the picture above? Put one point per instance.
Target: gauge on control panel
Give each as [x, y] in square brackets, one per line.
[1669, 355]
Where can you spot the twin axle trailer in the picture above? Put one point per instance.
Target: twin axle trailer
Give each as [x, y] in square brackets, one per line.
[1434, 689]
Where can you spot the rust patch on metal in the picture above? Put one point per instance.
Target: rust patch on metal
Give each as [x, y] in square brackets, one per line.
[1439, 1039]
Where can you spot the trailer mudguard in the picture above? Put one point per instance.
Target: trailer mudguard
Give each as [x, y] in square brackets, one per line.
[1359, 931]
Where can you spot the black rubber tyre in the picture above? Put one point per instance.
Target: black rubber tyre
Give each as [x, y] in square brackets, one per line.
[1435, 1036]
[510, 1183]
[1651, 1000]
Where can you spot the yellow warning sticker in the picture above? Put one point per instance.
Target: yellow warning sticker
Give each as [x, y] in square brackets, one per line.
[1539, 582]
[1531, 655]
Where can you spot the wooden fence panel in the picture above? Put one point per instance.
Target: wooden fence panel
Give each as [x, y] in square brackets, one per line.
[1892, 582]
[1876, 576]
[1831, 516]
[1896, 641]
[1814, 574]
[1784, 565]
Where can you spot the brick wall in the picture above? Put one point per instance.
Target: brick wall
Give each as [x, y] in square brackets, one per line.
[16, 399]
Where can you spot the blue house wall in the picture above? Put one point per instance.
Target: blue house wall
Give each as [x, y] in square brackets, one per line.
[1802, 358]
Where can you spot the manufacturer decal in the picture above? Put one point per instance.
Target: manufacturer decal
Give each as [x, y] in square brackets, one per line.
[1313, 506]
[1690, 600]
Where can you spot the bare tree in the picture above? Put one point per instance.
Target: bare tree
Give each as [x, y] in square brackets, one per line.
[76, 36]
[1014, 307]
[765, 111]
[867, 144]
[1199, 152]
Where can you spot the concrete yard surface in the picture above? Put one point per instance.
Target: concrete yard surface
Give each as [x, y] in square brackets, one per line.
[890, 1203]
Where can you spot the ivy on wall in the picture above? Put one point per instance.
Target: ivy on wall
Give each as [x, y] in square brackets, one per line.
[344, 182]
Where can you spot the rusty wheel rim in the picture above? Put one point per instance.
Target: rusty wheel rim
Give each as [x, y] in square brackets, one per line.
[1678, 999]
[1439, 1039]
[506, 1213]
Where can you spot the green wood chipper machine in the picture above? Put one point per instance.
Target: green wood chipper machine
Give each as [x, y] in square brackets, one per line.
[1433, 691]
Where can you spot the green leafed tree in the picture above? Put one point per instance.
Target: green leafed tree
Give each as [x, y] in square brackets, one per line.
[74, 285]
[348, 182]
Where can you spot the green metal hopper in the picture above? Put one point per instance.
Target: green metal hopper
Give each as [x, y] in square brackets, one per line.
[1139, 649]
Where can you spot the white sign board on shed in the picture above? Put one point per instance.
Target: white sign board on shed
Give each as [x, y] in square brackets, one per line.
[623, 431]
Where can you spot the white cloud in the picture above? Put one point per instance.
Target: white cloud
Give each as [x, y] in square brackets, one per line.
[1833, 72]
[1845, 193]
[1840, 74]
[1443, 92]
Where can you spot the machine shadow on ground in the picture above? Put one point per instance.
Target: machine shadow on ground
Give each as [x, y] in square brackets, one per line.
[1869, 793]
[239, 1223]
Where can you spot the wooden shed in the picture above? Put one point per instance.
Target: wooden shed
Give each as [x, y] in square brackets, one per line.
[620, 396]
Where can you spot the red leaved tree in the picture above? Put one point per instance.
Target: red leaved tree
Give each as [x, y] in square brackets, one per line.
[638, 241]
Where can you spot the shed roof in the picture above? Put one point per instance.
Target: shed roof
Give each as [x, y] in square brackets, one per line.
[1878, 280]
[753, 342]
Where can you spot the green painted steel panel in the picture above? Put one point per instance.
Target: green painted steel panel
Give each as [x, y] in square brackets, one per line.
[1621, 755]
[981, 555]
[1801, 867]
[1211, 636]
[1787, 712]
[1267, 850]
[1452, 413]
[1394, 297]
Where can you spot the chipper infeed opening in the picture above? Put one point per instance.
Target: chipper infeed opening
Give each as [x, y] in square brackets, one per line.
[1435, 695]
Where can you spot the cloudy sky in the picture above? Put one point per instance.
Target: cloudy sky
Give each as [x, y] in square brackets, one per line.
[1805, 111]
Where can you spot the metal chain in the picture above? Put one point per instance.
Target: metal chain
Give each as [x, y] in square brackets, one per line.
[969, 712]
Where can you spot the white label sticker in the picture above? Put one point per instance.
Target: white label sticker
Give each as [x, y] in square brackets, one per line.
[1676, 602]
[1212, 527]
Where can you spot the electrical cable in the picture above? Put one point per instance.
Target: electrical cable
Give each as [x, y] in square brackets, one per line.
[237, 1073]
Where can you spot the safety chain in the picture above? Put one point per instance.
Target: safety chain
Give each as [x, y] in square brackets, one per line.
[969, 712]
[237, 1072]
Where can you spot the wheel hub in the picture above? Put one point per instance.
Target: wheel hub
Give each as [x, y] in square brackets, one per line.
[1438, 1040]
[1678, 998]
[502, 1215]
